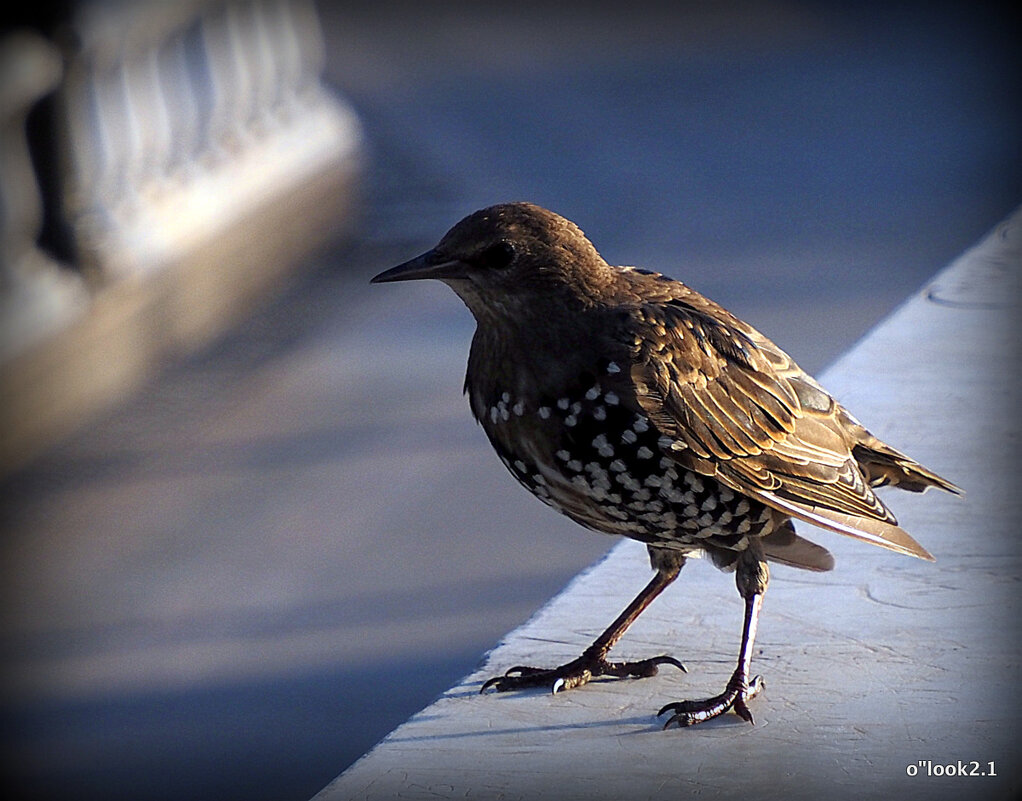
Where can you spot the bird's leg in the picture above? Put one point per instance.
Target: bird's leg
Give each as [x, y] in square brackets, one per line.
[593, 663]
[752, 578]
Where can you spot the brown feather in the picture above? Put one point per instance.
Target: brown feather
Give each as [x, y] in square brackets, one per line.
[785, 546]
[748, 416]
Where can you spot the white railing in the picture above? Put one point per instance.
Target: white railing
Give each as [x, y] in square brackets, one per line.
[200, 157]
[37, 294]
[182, 116]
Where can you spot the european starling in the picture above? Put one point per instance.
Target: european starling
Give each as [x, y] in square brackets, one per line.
[636, 406]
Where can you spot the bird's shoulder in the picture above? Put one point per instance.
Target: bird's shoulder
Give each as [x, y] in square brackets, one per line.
[735, 406]
[687, 338]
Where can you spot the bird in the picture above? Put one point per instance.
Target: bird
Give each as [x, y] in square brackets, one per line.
[637, 407]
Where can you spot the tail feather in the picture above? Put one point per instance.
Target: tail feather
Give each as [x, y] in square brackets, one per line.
[785, 546]
[867, 529]
[884, 465]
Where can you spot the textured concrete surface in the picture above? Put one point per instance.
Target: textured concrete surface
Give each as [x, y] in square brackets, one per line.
[875, 673]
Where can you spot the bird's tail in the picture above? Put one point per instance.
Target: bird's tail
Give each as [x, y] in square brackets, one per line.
[785, 546]
[885, 465]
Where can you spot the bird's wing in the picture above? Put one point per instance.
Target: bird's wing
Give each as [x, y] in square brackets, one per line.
[739, 409]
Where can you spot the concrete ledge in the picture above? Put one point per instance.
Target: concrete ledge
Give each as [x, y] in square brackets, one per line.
[885, 667]
[135, 324]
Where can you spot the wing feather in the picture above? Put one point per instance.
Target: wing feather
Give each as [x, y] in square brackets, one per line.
[734, 402]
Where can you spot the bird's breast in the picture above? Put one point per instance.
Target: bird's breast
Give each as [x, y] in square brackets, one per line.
[585, 448]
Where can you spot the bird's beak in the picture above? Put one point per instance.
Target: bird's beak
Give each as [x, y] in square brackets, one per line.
[430, 264]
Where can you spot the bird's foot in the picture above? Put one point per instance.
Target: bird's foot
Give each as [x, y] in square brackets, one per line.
[576, 673]
[735, 697]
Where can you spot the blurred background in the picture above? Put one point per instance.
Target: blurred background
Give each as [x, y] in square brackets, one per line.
[248, 526]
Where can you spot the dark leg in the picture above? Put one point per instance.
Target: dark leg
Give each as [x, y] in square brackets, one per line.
[752, 578]
[593, 663]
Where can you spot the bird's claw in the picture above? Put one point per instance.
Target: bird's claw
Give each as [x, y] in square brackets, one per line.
[520, 677]
[735, 698]
[656, 661]
[576, 673]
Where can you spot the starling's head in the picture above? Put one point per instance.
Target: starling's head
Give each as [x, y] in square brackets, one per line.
[510, 260]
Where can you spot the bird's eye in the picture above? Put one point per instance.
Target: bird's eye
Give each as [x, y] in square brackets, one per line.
[498, 256]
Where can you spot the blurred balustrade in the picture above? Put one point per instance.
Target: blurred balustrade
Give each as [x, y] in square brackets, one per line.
[200, 157]
[37, 294]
